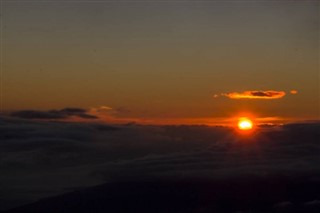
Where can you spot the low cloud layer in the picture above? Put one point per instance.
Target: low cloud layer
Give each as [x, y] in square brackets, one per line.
[40, 159]
[54, 114]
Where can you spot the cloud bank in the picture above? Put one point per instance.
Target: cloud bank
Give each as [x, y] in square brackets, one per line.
[40, 159]
[54, 114]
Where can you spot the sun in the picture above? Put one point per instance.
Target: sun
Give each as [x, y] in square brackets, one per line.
[245, 124]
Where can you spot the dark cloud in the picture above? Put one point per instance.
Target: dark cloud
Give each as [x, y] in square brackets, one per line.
[313, 203]
[32, 114]
[265, 93]
[53, 114]
[73, 111]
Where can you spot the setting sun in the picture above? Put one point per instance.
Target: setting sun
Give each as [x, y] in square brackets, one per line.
[245, 124]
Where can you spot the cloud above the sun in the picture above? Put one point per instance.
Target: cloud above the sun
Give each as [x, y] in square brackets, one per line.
[293, 92]
[256, 94]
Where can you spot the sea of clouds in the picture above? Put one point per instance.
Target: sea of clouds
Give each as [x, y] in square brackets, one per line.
[45, 158]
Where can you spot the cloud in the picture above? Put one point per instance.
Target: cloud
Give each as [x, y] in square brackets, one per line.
[100, 109]
[115, 115]
[294, 92]
[40, 159]
[312, 203]
[255, 94]
[53, 114]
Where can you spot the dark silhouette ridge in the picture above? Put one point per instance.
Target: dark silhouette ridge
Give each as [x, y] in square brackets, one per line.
[246, 194]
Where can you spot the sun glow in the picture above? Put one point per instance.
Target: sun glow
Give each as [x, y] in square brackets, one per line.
[245, 124]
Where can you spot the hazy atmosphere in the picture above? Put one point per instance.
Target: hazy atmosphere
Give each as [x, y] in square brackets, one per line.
[157, 60]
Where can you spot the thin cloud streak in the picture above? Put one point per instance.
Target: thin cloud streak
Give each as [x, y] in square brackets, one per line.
[294, 92]
[255, 94]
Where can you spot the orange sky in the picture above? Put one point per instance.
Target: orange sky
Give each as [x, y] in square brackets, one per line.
[171, 62]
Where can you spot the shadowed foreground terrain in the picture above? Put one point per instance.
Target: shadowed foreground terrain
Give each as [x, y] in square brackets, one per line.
[250, 194]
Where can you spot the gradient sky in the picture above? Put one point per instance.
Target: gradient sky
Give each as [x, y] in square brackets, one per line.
[158, 59]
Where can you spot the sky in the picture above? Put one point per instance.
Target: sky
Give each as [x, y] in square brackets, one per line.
[79, 77]
[161, 61]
